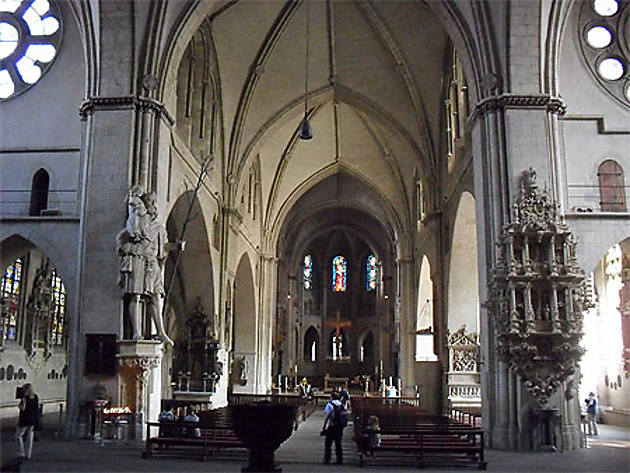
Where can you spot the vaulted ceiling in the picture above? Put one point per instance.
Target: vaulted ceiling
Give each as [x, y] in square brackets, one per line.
[375, 94]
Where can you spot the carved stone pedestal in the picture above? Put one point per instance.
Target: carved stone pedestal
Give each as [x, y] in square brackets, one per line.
[139, 362]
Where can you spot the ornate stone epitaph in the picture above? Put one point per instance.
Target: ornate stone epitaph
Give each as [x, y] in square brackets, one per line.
[463, 375]
[537, 294]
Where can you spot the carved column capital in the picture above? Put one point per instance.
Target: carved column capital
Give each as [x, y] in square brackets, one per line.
[552, 104]
[125, 102]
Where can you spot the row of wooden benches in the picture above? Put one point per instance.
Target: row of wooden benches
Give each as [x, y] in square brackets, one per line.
[409, 434]
[212, 435]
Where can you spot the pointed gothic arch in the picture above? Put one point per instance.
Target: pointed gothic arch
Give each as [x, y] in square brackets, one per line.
[311, 345]
[39, 192]
[424, 326]
[367, 349]
[245, 327]
[463, 286]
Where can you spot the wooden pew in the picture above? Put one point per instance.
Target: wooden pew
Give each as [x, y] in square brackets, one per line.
[467, 415]
[409, 433]
[215, 435]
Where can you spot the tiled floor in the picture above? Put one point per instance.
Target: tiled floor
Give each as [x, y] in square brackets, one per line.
[303, 453]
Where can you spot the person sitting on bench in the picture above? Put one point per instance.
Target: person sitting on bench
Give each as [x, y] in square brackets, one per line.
[372, 436]
[191, 416]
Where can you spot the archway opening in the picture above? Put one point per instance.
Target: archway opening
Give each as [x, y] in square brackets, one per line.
[605, 367]
[190, 317]
[463, 309]
[244, 328]
[34, 326]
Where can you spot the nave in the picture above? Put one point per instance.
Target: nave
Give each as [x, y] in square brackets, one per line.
[302, 453]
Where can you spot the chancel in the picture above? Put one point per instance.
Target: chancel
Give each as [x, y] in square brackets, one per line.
[207, 204]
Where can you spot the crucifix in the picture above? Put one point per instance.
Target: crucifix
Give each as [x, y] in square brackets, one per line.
[338, 324]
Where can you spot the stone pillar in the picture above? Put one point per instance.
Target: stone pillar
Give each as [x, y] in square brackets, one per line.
[268, 287]
[407, 328]
[139, 379]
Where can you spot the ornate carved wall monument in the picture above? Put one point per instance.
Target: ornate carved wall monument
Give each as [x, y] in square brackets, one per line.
[463, 372]
[537, 294]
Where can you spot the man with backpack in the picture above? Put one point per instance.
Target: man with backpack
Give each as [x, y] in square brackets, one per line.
[336, 420]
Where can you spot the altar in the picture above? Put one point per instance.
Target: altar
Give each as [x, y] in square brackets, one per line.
[332, 383]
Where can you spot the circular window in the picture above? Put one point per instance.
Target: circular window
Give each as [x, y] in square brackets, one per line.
[599, 37]
[605, 27]
[30, 35]
[611, 68]
[605, 7]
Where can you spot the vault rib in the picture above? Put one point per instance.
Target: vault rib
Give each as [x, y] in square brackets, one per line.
[382, 32]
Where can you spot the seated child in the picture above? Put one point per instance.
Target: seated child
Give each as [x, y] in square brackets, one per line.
[372, 437]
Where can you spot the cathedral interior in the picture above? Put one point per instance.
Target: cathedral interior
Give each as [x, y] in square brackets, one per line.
[207, 198]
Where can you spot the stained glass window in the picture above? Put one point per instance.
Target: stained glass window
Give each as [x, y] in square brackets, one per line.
[371, 273]
[10, 287]
[58, 318]
[339, 274]
[307, 272]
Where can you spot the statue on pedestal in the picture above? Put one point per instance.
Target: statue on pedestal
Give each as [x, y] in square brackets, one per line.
[142, 246]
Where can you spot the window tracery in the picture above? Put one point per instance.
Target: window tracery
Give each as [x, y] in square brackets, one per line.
[30, 35]
[603, 27]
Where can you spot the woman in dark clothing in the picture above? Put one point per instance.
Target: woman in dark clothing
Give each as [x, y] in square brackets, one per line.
[29, 418]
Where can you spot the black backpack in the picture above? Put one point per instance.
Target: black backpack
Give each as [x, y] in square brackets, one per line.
[339, 415]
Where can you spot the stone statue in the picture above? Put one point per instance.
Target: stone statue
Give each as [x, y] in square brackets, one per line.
[142, 246]
[240, 369]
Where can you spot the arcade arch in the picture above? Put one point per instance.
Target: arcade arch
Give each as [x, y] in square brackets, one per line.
[463, 285]
[605, 366]
[189, 286]
[35, 310]
[245, 327]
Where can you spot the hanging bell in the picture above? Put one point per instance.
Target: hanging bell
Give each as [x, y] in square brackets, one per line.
[305, 131]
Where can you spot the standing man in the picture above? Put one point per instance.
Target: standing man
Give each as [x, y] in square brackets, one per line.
[29, 419]
[336, 420]
[591, 413]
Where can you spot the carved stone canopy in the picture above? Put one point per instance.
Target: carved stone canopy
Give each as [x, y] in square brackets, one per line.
[537, 293]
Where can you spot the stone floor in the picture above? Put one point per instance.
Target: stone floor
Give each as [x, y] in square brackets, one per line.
[303, 453]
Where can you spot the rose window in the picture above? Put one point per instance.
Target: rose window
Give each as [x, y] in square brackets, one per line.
[30, 34]
[605, 35]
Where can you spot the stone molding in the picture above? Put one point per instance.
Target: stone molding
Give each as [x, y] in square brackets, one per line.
[140, 355]
[125, 102]
[493, 103]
